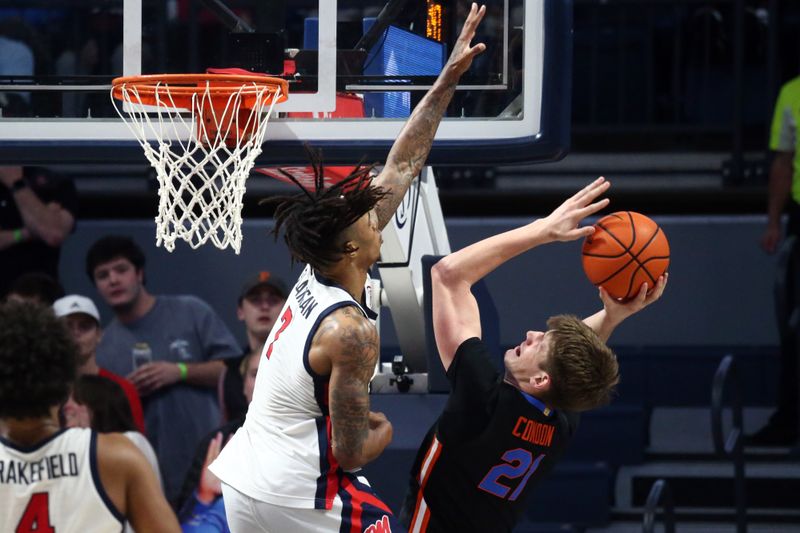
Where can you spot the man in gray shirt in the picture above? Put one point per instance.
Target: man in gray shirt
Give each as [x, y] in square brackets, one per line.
[170, 347]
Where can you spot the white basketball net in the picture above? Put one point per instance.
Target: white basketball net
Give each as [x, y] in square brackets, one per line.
[201, 179]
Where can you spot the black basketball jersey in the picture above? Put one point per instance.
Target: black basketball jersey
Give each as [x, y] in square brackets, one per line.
[485, 453]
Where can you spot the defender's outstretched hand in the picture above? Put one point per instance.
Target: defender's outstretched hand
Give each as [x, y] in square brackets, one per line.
[463, 52]
[562, 224]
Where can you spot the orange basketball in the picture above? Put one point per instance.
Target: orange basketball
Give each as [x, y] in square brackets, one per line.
[626, 250]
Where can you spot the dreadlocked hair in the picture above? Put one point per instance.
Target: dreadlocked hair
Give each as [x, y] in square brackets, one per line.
[312, 221]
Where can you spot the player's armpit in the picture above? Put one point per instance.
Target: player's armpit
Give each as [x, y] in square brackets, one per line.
[350, 342]
[131, 484]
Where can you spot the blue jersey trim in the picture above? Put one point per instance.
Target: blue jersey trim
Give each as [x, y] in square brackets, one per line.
[30, 449]
[98, 485]
[330, 283]
[324, 465]
[537, 403]
[311, 332]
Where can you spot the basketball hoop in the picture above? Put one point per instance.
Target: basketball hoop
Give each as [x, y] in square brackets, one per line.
[202, 161]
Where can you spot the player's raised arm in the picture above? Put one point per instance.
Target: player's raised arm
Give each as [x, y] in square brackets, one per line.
[410, 150]
[349, 341]
[456, 317]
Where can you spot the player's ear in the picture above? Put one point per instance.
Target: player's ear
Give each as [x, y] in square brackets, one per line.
[540, 381]
[350, 248]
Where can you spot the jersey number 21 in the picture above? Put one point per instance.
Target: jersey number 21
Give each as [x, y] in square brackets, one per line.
[516, 463]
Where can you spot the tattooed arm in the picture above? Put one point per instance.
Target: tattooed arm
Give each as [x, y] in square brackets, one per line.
[346, 347]
[410, 150]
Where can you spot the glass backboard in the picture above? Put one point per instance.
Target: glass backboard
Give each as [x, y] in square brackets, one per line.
[355, 70]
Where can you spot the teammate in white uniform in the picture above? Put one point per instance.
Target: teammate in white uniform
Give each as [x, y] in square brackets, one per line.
[54, 480]
[309, 425]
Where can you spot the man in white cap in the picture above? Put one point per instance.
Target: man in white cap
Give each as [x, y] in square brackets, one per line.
[82, 319]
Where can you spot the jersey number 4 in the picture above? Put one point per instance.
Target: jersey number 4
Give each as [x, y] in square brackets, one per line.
[517, 463]
[286, 319]
[36, 518]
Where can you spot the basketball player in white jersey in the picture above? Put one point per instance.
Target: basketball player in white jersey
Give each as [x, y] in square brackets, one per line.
[309, 427]
[70, 480]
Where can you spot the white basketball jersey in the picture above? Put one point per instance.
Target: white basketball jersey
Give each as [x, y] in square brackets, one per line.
[55, 486]
[282, 454]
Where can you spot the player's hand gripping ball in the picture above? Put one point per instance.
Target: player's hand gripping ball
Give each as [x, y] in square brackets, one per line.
[626, 250]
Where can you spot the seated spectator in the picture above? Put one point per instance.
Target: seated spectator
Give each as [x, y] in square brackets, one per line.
[37, 213]
[82, 319]
[102, 405]
[178, 343]
[35, 287]
[195, 502]
[260, 302]
[16, 59]
[81, 60]
[208, 509]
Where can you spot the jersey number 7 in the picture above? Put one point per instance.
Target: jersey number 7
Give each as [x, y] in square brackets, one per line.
[286, 319]
[517, 463]
[36, 518]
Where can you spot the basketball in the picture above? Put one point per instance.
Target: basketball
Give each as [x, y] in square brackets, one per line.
[626, 250]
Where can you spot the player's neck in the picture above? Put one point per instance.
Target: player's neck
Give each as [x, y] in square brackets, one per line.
[509, 378]
[29, 431]
[350, 278]
[514, 382]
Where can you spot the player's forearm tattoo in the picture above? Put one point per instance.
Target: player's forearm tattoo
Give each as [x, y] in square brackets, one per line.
[349, 398]
[411, 149]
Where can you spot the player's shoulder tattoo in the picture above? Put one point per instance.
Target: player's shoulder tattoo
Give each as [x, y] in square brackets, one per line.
[352, 339]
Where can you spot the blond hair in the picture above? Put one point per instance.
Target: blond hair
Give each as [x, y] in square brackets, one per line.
[583, 370]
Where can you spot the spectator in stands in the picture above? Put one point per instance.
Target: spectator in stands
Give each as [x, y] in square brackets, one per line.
[500, 433]
[170, 347]
[207, 512]
[36, 287]
[82, 61]
[260, 301]
[103, 479]
[102, 405]
[784, 195]
[202, 509]
[37, 213]
[17, 58]
[82, 319]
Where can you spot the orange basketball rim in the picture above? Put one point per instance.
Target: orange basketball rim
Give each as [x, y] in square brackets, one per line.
[222, 104]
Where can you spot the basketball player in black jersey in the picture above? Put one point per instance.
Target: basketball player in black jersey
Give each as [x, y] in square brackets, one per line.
[500, 434]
